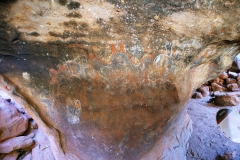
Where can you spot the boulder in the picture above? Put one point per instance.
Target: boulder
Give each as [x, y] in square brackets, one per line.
[226, 100]
[197, 95]
[223, 75]
[15, 143]
[217, 87]
[232, 87]
[230, 80]
[12, 122]
[204, 90]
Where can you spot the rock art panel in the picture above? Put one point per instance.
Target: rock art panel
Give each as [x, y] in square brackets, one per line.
[108, 79]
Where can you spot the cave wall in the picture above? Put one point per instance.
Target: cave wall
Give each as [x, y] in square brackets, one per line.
[112, 77]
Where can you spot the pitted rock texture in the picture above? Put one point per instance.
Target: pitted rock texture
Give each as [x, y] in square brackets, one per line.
[108, 78]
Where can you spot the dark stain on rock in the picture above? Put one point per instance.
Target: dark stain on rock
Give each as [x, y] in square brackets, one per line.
[9, 1]
[71, 23]
[188, 59]
[66, 34]
[2, 16]
[82, 26]
[73, 5]
[62, 2]
[74, 15]
[35, 34]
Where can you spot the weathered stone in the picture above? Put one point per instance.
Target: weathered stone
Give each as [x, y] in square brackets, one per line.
[223, 75]
[230, 80]
[109, 82]
[12, 122]
[217, 87]
[204, 90]
[226, 100]
[232, 87]
[11, 156]
[197, 95]
[15, 143]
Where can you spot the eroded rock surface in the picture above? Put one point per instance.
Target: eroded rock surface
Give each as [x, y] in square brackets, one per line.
[108, 79]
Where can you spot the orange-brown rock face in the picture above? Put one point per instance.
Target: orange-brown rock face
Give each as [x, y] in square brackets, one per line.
[109, 79]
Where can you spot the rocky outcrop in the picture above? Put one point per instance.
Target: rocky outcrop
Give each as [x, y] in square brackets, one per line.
[108, 79]
[16, 143]
[12, 122]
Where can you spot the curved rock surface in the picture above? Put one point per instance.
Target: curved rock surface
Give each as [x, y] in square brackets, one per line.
[108, 79]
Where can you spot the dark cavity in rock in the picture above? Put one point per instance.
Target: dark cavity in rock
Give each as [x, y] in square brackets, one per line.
[73, 5]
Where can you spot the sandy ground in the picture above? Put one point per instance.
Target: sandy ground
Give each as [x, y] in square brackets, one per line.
[207, 142]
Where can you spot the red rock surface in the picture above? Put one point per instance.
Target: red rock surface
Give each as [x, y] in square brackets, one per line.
[16, 143]
[12, 122]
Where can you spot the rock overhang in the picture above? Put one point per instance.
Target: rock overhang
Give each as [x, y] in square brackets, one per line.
[89, 64]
